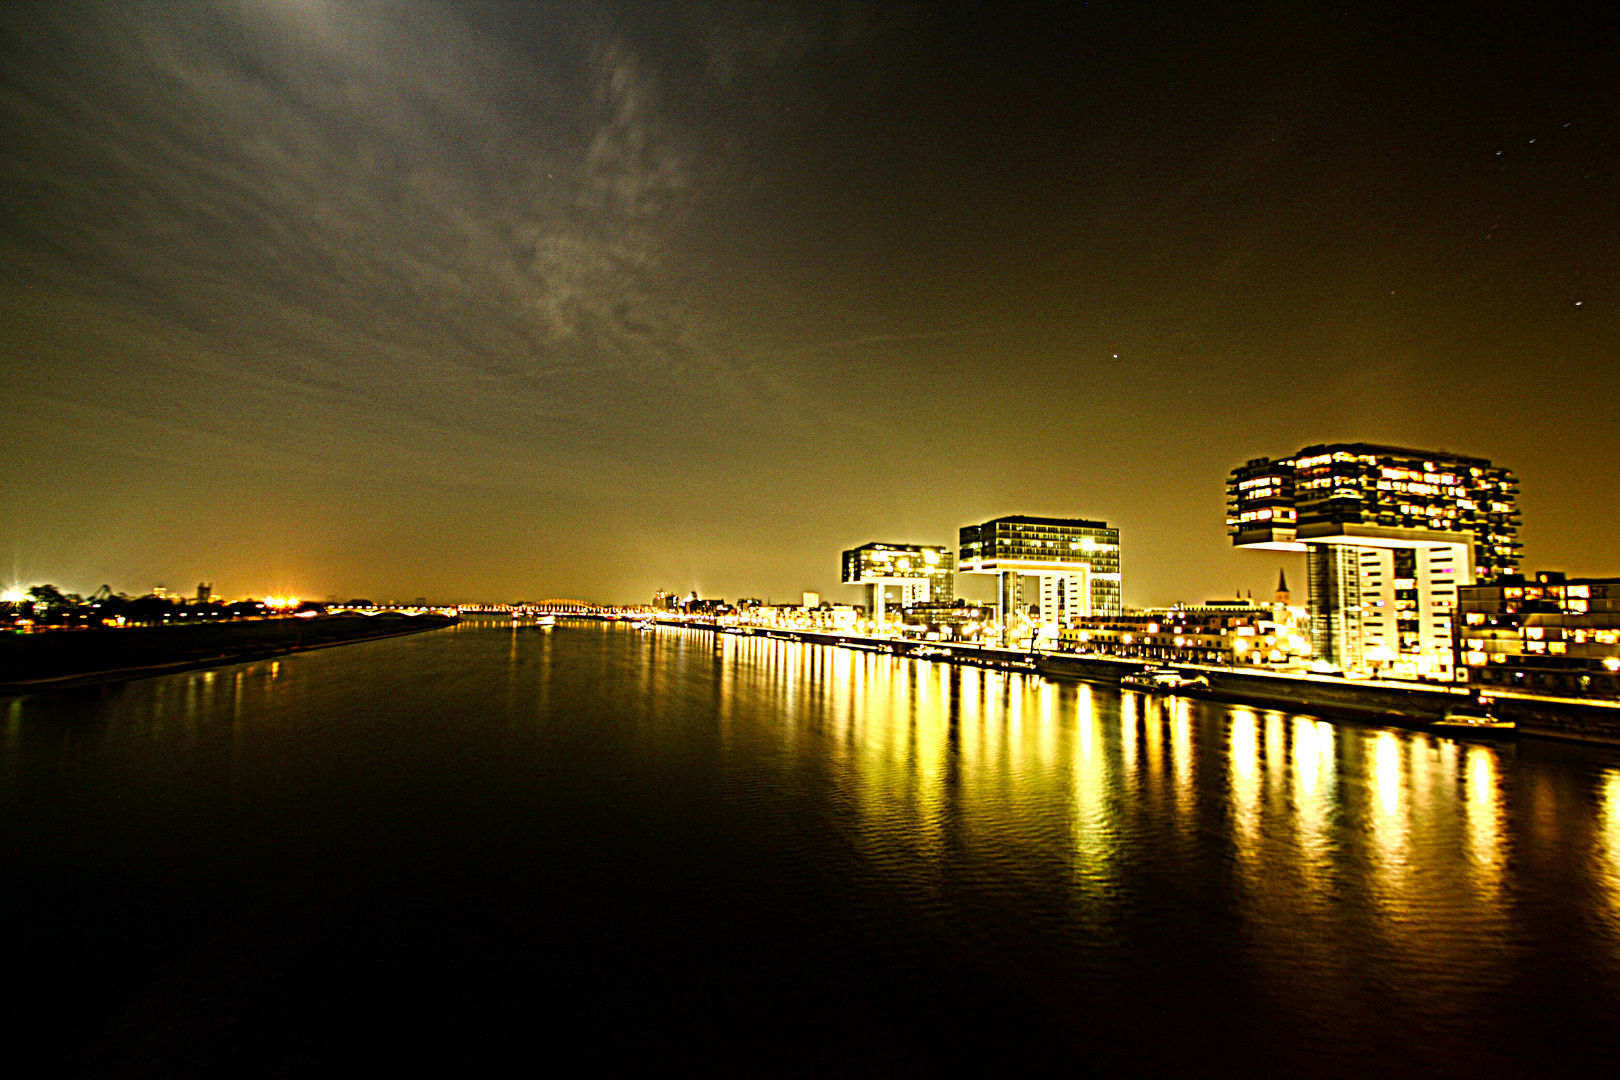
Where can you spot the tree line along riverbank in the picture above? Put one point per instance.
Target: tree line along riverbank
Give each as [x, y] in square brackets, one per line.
[41, 661]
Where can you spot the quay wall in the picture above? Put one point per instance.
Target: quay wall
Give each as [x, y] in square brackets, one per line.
[1322, 696]
[1561, 718]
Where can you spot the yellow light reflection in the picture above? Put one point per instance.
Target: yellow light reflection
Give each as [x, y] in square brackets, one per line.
[1095, 832]
[1389, 825]
[1307, 760]
[1276, 749]
[1181, 757]
[1152, 744]
[1127, 741]
[1245, 751]
[1484, 814]
[1387, 772]
[1315, 785]
[1608, 834]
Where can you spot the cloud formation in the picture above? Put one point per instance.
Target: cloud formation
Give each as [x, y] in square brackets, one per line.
[360, 198]
[733, 285]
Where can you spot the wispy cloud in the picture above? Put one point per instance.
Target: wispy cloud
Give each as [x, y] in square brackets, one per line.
[359, 197]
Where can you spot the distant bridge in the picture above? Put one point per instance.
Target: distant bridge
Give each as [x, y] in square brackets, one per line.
[545, 607]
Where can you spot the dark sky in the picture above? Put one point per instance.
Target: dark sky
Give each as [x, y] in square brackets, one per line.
[474, 300]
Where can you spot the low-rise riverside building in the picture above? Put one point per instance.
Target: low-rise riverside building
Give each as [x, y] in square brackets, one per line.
[1216, 632]
[824, 617]
[956, 620]
[1548, 634]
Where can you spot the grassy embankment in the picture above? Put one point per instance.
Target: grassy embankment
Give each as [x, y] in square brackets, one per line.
[67, 657]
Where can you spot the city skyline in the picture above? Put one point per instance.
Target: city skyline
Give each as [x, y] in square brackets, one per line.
[1248, 528]
[590, 300]
[833, 537]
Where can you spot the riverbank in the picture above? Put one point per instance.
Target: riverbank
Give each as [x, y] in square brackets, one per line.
[1419, 707]
[66, 658]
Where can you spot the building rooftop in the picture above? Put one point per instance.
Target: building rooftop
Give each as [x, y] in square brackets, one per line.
[877, 546]
[1375, 449]
[1070, 523]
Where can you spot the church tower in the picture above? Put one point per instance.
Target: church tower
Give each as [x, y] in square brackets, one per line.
[1283, 596]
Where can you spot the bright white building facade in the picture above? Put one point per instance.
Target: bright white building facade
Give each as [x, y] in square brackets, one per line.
[1390, 535]
[1076, 561]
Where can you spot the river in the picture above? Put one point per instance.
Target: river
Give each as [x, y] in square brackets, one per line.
[593, 849]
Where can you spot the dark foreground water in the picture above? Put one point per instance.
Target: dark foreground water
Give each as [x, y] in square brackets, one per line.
[594, 850]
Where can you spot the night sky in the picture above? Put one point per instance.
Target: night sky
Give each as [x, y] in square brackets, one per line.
[474, 300]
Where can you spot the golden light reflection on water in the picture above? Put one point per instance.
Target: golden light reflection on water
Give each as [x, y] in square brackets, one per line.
[1483, 807]
[1128, 741]
[1608, 839]
[1093, 826]
[1389, 822]
[1244, 757]
[1327, 849]
[1315, 790]
[1181, 755]
[940, 756]
[1387, 773]
[1153, 750]
[1276, 749]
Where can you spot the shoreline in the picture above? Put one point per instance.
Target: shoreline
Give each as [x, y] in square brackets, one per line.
[242, 655]
[1415, 706]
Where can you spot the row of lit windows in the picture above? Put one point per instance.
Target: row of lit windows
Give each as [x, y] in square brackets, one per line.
[1551, 592]
[1055, 531]
[1262, 481]
[1424, 478]
[1282, 514]
[1015, 551]
[1314, 472]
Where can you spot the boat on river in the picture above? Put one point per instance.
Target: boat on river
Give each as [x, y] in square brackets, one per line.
[1476, 720]
[1162, 681]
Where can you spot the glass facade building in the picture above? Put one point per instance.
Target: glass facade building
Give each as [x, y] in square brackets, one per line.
[1358, 490]
[929, 565]
[925, 573]
[1390, 535]
[1062, 551]
[1333, 579]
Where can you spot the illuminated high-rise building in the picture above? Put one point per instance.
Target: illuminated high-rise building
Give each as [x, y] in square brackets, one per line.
[923, 574]
[1389, 535]
[1077, 562]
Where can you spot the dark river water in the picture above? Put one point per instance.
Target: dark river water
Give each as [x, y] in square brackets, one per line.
[596, 850]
